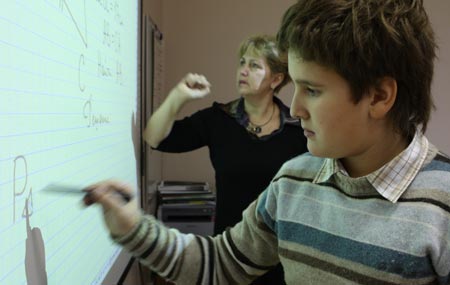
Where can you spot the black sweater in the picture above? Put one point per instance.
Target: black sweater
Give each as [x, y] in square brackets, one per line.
[244, 164]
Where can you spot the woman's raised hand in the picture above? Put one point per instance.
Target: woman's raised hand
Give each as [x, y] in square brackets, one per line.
[192, 86]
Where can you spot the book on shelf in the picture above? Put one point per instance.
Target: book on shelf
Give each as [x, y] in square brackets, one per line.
[190, 200]
[182, 187]
[183, 192]
[178, 192]
[171, 198]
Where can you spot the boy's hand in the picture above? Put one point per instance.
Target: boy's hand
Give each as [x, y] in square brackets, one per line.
[120, 213]
[192, 86]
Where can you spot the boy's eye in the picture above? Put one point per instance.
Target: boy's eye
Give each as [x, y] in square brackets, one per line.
[312, 92]
[254, 65]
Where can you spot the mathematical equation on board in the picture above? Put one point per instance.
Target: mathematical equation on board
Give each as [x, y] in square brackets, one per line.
[109, 49]
[108, 67]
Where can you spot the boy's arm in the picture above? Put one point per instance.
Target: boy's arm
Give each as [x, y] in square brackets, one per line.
[237, 256]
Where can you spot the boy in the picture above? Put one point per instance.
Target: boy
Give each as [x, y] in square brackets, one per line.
[370, 204]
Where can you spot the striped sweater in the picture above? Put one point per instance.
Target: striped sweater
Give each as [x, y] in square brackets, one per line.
[339, 232]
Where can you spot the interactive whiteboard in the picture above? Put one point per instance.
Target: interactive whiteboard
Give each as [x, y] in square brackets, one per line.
[68, 104]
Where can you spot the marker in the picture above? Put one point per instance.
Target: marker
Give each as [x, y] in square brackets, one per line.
[69, 189]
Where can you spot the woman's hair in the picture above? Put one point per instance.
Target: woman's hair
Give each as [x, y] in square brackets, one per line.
[266, 47]
[364, 41]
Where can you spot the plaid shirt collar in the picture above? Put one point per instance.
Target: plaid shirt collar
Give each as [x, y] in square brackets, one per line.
[393, 178]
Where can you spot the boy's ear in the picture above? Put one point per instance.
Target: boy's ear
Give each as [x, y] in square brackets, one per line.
[383, 97]
[277, 79]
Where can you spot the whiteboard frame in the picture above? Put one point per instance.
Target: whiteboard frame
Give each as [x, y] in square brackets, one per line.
[121, 266]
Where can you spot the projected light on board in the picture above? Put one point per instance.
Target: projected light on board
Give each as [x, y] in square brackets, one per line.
[68, 99]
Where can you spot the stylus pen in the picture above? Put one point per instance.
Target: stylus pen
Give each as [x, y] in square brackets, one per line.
[68, 189]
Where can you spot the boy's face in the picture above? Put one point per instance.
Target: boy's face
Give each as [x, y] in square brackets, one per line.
[334, 125]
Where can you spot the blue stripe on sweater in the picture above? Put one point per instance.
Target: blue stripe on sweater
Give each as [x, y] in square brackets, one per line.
[383, 259]
[261, 208]
[437, 165]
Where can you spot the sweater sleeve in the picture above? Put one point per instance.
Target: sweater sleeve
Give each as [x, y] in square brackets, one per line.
[237, 256]
[189, 133]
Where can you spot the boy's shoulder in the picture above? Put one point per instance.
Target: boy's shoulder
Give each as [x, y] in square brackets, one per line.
[437, 161]
[304, 165]
[434, 176]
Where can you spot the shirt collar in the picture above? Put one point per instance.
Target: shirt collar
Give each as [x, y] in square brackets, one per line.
[393, 178]
[236, 109]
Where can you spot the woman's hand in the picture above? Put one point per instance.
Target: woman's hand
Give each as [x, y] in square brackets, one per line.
[120, 210]
[192, 86]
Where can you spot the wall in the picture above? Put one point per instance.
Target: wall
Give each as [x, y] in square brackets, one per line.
[438, 130]
[203, 36]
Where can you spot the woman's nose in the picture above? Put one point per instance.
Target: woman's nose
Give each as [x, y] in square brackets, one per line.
[243, 70]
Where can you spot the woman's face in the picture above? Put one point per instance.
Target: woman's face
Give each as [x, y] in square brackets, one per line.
[253, 75]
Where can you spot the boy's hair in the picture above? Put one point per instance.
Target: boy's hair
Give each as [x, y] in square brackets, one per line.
[266, 47]
[364, 41]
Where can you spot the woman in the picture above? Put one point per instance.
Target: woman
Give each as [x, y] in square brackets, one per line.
[248, 138]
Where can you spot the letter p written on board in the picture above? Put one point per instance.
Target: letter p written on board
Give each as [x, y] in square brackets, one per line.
[20, 180]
